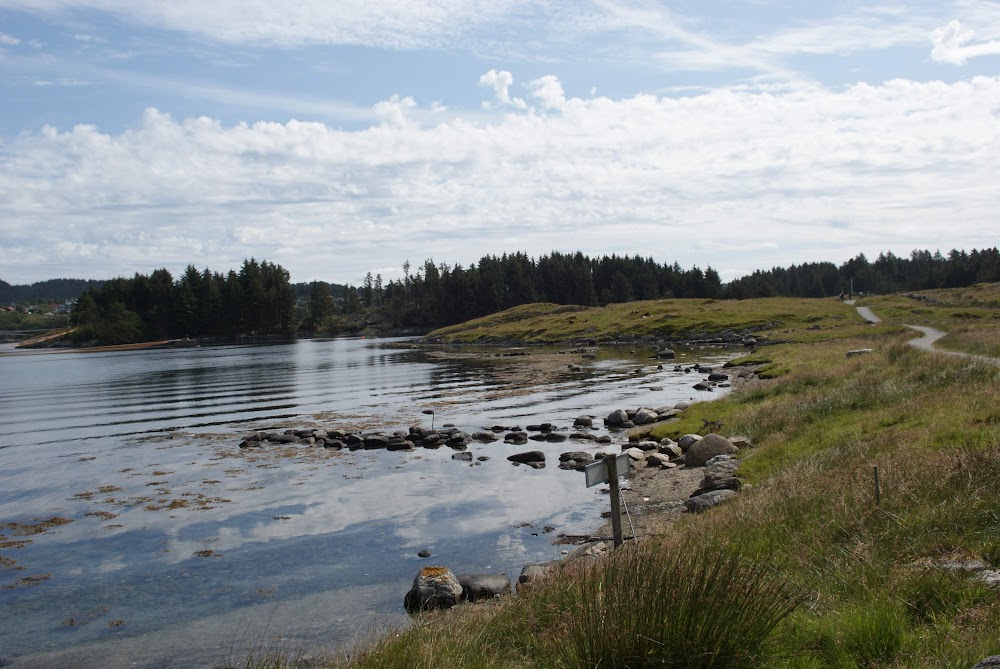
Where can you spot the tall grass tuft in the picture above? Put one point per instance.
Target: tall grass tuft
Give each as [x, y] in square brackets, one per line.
[687, 606]
[866, 636]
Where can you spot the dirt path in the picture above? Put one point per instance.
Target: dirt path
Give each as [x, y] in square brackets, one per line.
[928, 337]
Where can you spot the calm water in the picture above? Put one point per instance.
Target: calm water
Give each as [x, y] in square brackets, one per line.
[183, 549]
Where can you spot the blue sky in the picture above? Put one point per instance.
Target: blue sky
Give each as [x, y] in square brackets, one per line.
[338, 138]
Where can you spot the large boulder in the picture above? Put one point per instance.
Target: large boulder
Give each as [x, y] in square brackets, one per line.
[433, 588]
[707, 448]
[583, 421]
[991, 662]
[483, 586]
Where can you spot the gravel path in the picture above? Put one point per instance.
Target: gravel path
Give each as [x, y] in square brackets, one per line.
[928, 338]
[930, 335]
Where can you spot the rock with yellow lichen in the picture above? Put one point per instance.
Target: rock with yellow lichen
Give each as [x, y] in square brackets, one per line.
[433, 588]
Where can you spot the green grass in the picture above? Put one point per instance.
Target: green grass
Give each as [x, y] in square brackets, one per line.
[776, 318]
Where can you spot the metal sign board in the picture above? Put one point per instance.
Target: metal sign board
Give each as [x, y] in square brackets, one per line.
[597, 472]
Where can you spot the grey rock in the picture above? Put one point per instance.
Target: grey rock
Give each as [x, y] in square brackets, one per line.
[688, 440]
[555, 437]
[707, 448]
[647, 445]
[575, 455]
[583, 421]
[424, 553]
[590, 550]
[703, 385]
[741, 442]
[484, 437]
[720, 467]
[671, 450]
[635, 454]
[681, 406]
[533, 572]
[858, 351]
[483, 586]
[731, 483]
[659, 460]
[645, 416]
[583, 436]
[373, 441]
[718, 376]
[616, 418]
[990, 662]
[433, 588]
[708, 500]
[464, 456]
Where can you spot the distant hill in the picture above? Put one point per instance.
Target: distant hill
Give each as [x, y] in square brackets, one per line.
[51, 290]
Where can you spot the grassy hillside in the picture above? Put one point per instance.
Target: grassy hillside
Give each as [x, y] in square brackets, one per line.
[776, 318]
[806, 570]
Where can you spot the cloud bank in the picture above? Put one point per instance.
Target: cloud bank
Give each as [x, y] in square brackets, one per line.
[739, 179]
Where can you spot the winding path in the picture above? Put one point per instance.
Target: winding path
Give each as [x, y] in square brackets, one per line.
[927, 339]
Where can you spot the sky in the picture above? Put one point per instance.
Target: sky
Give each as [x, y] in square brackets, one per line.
[341, 137]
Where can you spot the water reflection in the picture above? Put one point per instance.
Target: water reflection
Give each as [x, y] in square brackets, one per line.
[180, 540]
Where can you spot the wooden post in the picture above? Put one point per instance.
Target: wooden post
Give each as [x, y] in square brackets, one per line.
[878, 487]
[616, 504]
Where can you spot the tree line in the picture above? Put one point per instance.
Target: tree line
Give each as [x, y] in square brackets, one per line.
[889, 273]
[260, 300]
[257, 300]
[50, 290]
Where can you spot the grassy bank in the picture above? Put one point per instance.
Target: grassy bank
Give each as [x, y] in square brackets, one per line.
[786, 319]
[806, 570]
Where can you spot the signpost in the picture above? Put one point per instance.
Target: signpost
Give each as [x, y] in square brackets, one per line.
[607, 470]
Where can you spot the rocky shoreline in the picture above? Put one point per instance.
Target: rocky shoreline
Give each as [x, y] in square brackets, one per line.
[666, 477]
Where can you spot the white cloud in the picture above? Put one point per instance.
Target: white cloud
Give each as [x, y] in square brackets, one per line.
[548, 91]
[952, 45]
[500, 82]
[381, 23]
[9, 40]
[736, 179]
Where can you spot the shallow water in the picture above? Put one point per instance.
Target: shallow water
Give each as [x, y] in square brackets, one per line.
[183, 549]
